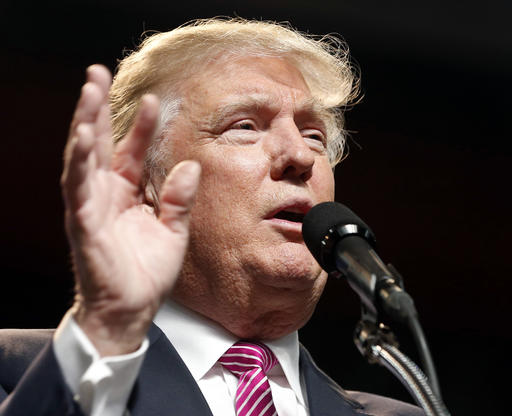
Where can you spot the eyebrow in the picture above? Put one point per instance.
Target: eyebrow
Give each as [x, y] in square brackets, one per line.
[241, 105]
[257, 102]
[313, 109]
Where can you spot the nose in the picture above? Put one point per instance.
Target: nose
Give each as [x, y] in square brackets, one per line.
[291, 157]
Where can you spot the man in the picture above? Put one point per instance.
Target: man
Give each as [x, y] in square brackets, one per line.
[253, 109]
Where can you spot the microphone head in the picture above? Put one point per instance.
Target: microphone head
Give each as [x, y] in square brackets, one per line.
[325, 224]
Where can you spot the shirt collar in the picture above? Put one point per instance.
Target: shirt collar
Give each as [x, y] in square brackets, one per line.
[200, 342]
[286, 350]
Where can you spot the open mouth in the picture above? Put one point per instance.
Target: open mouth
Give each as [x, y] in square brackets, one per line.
[290, 216]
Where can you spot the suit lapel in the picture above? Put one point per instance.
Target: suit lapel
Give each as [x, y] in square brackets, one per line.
[325, 397]
[165, 386]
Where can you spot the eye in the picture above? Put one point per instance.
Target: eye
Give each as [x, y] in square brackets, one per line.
[243, 125]
[318, 137]
[314, 135]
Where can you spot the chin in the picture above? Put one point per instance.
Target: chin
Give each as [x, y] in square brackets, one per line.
[296, 261]
[281, 313]
[286, 267]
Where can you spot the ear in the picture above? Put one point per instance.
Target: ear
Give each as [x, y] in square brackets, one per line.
[151, 197]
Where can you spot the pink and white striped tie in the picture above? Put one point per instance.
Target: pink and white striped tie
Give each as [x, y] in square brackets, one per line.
[250, 362]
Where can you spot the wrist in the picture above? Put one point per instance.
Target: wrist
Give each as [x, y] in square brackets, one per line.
[112, 333]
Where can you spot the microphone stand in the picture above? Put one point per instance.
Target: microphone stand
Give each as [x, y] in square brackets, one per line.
[346, 249]
[377, 343]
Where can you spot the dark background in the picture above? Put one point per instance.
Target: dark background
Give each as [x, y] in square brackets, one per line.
[428, 167]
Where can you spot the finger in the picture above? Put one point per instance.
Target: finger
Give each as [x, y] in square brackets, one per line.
[82, 138]
[103, 130]
[88, 106]
[99, 75]
[77, 164]
[177, 195]
[128, 158]
[94, 95]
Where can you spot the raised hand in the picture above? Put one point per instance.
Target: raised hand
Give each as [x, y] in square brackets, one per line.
[126, 258]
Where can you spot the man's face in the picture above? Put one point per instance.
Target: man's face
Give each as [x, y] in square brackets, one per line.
[260, 139]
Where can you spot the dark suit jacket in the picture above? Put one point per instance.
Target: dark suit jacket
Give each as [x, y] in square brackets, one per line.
[31, 383]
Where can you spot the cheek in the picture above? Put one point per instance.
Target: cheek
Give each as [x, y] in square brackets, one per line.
[323, 183]
[227, 187]
[232, 173]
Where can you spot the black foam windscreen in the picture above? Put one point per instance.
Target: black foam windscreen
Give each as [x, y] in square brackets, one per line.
[320, 219]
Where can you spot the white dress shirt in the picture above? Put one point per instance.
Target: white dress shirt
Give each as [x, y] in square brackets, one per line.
[102, 385]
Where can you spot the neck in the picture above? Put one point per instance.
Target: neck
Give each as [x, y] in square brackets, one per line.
[278, 315]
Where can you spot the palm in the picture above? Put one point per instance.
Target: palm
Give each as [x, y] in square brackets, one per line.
[135, 256]
[126, 258]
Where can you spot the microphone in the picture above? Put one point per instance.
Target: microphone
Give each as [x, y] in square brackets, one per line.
[340, 240]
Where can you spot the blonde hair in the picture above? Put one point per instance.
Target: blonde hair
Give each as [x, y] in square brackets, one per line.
[164, 60]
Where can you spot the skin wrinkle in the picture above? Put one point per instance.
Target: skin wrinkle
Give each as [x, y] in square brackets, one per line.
[309, 109]
[177, 56]
[172, 104]
[239, 264]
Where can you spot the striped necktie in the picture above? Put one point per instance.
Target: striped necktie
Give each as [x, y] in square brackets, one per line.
[250, 362]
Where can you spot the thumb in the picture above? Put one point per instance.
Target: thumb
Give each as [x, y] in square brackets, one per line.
[177, 195]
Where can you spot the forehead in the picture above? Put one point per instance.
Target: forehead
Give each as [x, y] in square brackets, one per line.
[248, 81]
